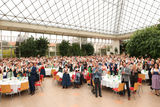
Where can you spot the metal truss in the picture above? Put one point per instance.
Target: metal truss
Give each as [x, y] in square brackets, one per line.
[101, 16]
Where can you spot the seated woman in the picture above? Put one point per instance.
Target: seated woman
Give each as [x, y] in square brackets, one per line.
[9, 73]
[15, 72]
[25, 72]
[5, 72]
[66, 78]
[60, 68]
[43, 72]
[139, 67]
[19, 73]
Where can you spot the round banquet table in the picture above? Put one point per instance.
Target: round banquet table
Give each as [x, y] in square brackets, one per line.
[60, 74]
[111, 81]
[14, 83]
[48, 71]
[145, 73]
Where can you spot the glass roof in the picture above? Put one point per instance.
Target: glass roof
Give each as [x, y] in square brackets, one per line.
[101, 16]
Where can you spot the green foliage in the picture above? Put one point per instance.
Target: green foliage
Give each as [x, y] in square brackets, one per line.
[108, 48]
[74, 50]
[158, 27]
[28, 48]
[7, 53]
[103, 52]
[123, 47]
[87, 49]
[115, 50]
[17, 49]
[64, 48]
[111, 53]
[145, 42]
[32, 47]
[41, 46]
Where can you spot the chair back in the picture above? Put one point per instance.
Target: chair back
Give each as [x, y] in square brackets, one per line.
[55, 73]
[142, 76]
[54, 77]
[41, 78]
[52, 71]
[57, 77]
[109, 72]
[136, 86]
[140, 80]
[88, 81]
[6, 89]
[24, 86]
[121, 87]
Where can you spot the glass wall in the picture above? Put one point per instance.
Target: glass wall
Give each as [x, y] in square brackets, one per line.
[9, 39]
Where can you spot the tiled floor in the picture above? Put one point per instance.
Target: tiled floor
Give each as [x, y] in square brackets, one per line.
[53, 95]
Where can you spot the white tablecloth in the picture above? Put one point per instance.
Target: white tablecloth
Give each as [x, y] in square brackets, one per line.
[15, 84]
[60, 74]
[48, 71]
[146, 74]
[111, 81]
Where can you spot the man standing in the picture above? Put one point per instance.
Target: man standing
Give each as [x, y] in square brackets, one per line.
[97, 80]
[126, 77]
[111, 68]
[32, 79]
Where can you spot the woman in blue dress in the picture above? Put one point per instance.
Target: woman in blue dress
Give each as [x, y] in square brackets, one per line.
[156, 79]
[66, 78]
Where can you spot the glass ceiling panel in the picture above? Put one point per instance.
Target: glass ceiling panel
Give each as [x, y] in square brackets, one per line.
[101, 16]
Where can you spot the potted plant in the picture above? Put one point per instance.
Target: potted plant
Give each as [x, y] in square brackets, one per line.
[116, 50]
[108, 50]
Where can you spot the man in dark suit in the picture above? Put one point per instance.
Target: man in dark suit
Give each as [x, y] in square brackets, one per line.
[32, 78]
[115, 69]
[111, 68]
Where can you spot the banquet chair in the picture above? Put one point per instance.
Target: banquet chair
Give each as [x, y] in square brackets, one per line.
[108, 72]
[38, 84]
[52, 71]
[6, 89]
[140, 84]
[58, 78]
[72, 78]
[54, 75]
[41, 78]
[0, 92]
[119, 89]
[24, 86]
[134, 89]
[142, 76]
[88, 82]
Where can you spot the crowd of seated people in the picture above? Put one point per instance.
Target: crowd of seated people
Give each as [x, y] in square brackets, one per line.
[111, 64]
